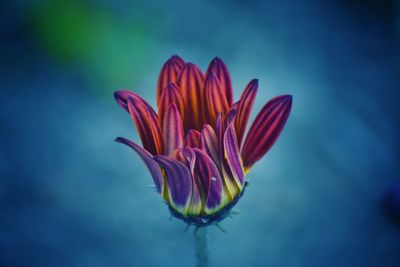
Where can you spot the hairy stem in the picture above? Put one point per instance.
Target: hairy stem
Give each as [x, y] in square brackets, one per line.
[200, 235]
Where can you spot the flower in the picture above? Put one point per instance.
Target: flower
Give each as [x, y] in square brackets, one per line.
[194, 147]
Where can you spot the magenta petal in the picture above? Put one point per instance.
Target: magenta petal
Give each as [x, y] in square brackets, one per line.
[179, 181]
[229, 117]
[187, 156]
[220, 135]
[192, 138]
[232, 154]
[172, 130]
[152, 165]
[265, 129]
[209, 143]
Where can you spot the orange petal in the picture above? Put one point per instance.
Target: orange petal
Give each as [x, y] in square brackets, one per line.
[170, 95]
[245, 104]
[146, 122]
[215, 99]
[169, 73]
[173, 135]
[218, 67]
[190, 83]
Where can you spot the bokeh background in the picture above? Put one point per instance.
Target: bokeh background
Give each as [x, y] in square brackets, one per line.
[71, 196]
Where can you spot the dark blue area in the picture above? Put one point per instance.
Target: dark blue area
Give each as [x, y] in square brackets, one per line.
[325, 195]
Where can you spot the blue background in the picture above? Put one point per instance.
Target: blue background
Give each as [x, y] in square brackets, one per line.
[71, 196]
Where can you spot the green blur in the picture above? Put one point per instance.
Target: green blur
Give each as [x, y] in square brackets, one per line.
[89, 37]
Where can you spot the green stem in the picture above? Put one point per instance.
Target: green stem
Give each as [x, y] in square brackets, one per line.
[200, 235]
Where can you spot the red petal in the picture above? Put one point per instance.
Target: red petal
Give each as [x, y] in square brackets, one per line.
[173, 135]
[122, 96]
[218, 67]
[190, 83]
[169, 73]
[215, 99]
[265, 129]
[170, 95]
[192, 138]
[146, 122]
[244, 109]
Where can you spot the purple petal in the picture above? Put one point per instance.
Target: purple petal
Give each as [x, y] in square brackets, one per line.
[152, 165]
[231, 186]
[187, 156]
[179, 181]
[220, 135]
[232, 154]
[208, 142]
[211, 182]
[229, 117]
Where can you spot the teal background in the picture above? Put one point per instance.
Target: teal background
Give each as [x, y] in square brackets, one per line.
[71, 196]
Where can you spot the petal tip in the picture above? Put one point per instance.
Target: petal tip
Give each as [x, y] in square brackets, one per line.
[172, 107]
[216, 58]
[120, 96]
[254, 82]
[211, 75]
[288, 97]
[116, 94]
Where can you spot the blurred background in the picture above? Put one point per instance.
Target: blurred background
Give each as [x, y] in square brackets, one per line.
[327, 194]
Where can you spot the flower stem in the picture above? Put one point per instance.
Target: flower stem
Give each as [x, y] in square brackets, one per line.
[200, 235]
